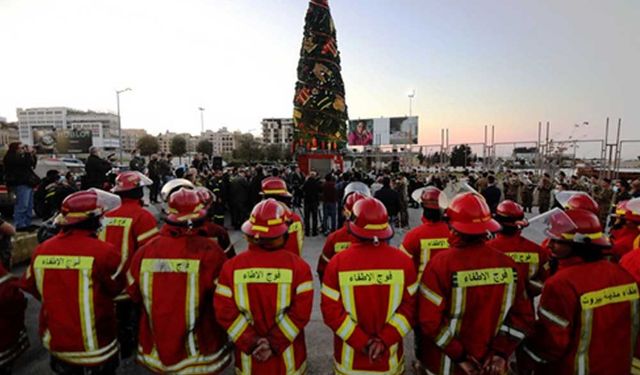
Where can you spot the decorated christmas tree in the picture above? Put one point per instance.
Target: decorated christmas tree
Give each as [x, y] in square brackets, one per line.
[320, 110]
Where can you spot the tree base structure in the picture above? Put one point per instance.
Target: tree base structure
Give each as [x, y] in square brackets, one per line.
[322, 163]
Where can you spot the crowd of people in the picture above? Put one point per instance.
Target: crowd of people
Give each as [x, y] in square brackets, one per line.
[481, 292]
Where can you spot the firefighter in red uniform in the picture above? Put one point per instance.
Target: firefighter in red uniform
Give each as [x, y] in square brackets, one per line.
[173, 278]
[424, 241]
[13, 340]
[341, 239]
[473, 309]
[532, 261]
[75, 276]
[368, 296]
[631, 261]
[264, 297]
[128, 228]
[625, 232]
[276, 188]
[588, 310]
[212, 230]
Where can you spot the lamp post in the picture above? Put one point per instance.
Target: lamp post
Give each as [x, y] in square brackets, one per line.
[201, 109]
[118, 92]
[411, 95]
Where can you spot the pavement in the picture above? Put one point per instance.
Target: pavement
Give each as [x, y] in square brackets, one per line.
[318, 336]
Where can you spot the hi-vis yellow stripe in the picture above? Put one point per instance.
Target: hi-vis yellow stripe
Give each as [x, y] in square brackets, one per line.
[341, 246]
[262, 275]
[152, 265]
[371, 277]
[485, 276]
[125, 223]
[63, 262]
[530, 258]
[607, 296]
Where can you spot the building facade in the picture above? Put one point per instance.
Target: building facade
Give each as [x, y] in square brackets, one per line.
[223, 141]
[33, 123]
[130, 138]
[164, 141]
[8, 133]
[277, 131]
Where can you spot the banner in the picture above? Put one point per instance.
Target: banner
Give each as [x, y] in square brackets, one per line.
[73, 141]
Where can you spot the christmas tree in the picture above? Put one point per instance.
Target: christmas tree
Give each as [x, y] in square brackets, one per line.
[320, 110]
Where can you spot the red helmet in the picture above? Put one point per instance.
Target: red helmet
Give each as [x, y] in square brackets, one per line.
[130, 180]
[185, 206]
[631, 210]
[350, 201]
[430, 197]
[509, 213]
[84, 205]
[577, 200]
[370, 221]
[268, 220]
[586, 228]
[274, 186]
[469, 214]
[206, 196]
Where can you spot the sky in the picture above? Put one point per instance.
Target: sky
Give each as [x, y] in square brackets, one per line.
[471, 63]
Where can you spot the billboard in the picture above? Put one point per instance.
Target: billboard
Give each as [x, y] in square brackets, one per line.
[383, 131]
[72, 141]
[360, 133]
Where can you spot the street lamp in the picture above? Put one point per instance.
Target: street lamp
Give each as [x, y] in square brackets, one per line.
[411, 95]
[201, 118]
[118, 92]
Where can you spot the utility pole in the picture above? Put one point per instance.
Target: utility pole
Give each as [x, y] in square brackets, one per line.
[201, 119]
[411, 95]
[118, 92]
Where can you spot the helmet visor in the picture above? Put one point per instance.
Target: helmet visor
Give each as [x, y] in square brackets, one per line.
[358, 187]
[551, 224]
[106, 201]
[174, 185]
[443, 200]
[563, 197]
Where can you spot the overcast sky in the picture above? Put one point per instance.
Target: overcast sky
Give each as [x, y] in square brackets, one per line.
[471, 63]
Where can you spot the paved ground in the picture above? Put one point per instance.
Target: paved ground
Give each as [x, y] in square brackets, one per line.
[319, 337]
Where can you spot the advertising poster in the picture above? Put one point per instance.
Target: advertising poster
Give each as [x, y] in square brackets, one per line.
[403, 130]
[73, 141]
[360, 132]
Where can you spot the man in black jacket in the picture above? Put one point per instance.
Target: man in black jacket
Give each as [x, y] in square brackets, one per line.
[19, 163]
[390, 198]
[311, 190]
[492, 194]
[96, 170]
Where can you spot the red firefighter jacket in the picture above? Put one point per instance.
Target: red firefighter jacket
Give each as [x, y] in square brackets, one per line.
[128, 227]
[220, 235]
[531, 260]
[296, 235]
[369, 291]
[266, 294]
[75, 275]
[173, 276]
[631, 263]
[624, 240]
[588, 320]
[471, 303]
[336, 242]
[13, 340]
[425, 241]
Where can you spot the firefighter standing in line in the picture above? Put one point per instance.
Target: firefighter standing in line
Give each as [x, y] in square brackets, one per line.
[368, 296]
[473, 310]
[264, 297]
[75, 276]
[276, 188]
[128, 227]
[588, 310]
[625, 232]
[212, 230]
[426, 240]
[532, 261]
[13, 340]
[173, 278]
[341, 239]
